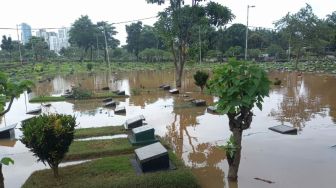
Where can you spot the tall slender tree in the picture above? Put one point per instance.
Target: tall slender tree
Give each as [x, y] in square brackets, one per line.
[133, 38]
[104, 29]
[176, 22]
[82, 34]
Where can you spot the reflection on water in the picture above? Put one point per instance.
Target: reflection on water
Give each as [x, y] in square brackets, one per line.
[306, 102]
[304, 98]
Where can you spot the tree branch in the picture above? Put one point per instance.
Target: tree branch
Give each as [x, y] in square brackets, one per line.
[9, 106]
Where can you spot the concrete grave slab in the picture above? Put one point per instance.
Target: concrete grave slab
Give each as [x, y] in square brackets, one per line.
[120, 110]
[142, 135]
[199, 102]
[110, 104]
[174, 91]
[134, 122]
[8, 132]
[35, 111]
[107, 100]
[284, 129]
[152, 157]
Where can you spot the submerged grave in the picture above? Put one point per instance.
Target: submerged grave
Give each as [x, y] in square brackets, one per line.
[199, 102]
[35, 111]
[284, 129]
[120, 110]
[8, 132]
[134, 122]
[174, 91]
[110, 104]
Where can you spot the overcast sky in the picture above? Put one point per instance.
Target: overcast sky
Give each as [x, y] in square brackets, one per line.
[59, 13]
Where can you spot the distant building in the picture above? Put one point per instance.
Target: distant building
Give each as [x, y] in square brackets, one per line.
[54, 43]
[42, 33]
[26, 33]
[63, 37]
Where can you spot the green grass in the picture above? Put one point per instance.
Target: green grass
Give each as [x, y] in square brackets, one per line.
[113, 172]
[61, 98]
[99, 131]
[80, 150]
[46, 99]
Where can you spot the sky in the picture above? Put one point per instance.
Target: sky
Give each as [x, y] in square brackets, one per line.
[62, 13]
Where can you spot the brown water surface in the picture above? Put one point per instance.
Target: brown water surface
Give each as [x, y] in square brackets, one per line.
[306, 102]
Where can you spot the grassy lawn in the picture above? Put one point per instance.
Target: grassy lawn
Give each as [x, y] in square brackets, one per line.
[99, 131]
[61, 98]
[113, 172]
[46, 99]
[98, 148]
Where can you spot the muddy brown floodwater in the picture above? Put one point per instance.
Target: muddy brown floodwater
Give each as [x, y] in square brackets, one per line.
[306, 102]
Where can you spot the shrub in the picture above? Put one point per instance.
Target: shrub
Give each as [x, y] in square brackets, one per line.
[49, 137]
[79, 93]
[201, 78]
[89, 66]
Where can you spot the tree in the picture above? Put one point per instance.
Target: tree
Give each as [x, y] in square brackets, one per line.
[108, 30]
[82, 34]
[149, 38]
[6, 44]
[201, 78]
[176, 22]
[234, 51]
[38, 46]
[234, 36]
[49, 137]
[276, 51]
[331, 22]
[133, 38]
[240, 86]
[302, 30]
[9, 90]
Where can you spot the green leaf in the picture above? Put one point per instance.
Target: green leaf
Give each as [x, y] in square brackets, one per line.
[6, 161]
[259, 105]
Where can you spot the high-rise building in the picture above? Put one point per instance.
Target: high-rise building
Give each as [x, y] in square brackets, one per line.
[63, 37]
[26, 33]
[43, 34]
[54, 43]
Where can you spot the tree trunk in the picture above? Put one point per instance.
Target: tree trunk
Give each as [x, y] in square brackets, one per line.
[234, 166]
[55, 170]
[2, 184]
[297, 59]
[179, 72]
[91, 54]
[105, 56]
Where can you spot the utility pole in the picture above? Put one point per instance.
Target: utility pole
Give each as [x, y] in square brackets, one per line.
[289, 48]
[97, 48]
[246, 37]
[107, 54]
[200, 44]
[17, 31]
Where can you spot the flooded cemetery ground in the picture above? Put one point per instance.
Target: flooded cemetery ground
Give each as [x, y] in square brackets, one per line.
[269, 159]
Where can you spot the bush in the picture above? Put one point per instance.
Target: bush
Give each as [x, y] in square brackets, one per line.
[79, 93]
[89, 66]
[201, 78]
[49, 137]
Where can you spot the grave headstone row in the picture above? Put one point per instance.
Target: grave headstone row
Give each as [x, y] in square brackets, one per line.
[153, 156]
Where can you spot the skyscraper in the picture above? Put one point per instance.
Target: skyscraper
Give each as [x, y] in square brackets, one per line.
[26, 33]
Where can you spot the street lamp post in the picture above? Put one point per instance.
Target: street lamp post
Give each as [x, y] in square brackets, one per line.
[17, 32]
[248, 7]
[106, 48]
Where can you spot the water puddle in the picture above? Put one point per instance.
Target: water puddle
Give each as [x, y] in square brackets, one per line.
[103, 137]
